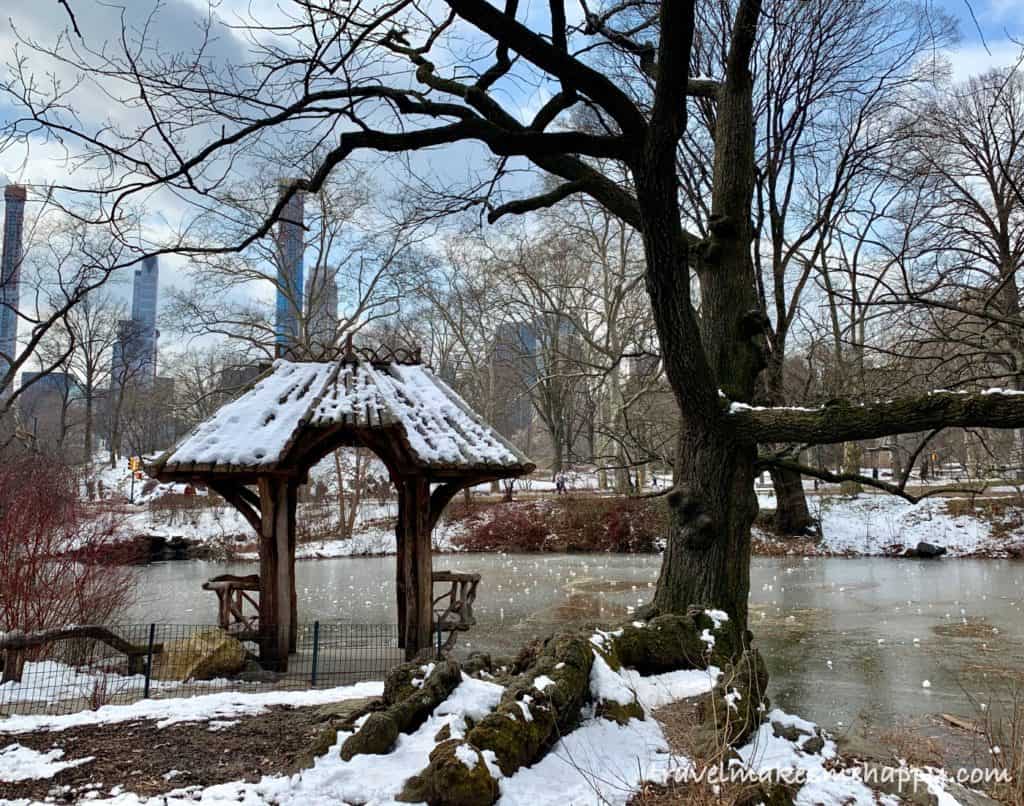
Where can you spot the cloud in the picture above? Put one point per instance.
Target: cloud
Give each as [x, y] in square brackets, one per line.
[974, 59]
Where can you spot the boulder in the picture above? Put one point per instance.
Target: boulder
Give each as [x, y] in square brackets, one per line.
[927, 551]
[204, 655]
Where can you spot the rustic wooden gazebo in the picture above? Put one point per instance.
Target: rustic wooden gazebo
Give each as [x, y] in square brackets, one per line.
[257, 450]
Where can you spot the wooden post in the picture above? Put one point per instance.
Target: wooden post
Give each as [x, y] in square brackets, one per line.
[293, 602]
[277, 569]
[400, 569]
[415, 564]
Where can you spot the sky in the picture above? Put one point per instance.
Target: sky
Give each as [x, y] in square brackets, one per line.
[986, 42]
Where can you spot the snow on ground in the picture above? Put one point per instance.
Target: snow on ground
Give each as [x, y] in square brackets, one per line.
[53, 681]
[223, 705]
[600, 763]
[873, 524]
[370, 541]
[19, 763]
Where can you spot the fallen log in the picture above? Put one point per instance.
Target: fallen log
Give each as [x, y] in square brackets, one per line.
[15, 643]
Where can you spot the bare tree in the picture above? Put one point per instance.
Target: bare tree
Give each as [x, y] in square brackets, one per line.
[91, 331]
[65, 261]
[353, 259]
[362, 78]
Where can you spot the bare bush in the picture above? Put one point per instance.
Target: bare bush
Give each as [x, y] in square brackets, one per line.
[57, 564]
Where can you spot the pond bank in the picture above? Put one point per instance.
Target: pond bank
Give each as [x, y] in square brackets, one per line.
[867, 525]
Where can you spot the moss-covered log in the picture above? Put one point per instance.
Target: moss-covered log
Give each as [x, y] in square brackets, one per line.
[408, 707]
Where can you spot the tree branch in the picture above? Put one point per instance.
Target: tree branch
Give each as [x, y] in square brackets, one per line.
[572, 72]
[866, 481]
[845, 421]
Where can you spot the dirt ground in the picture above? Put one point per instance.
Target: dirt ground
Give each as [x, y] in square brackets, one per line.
[139, 756]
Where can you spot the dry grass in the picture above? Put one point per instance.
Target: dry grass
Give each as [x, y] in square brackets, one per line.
[679, 722]
[1001, 720]
[1004, 514]
[907, 744]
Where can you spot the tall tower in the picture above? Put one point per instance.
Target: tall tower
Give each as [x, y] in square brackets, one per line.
[290, 245]
[144, 302]
[134, 357]
[10, 272]
[322, 310]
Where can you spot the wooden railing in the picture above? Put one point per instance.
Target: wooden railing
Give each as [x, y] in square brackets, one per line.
[15, 645]
[232, 594]
[457, 614]
[454, 615]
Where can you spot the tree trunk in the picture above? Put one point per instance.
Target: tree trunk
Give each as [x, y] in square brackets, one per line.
[707, 559]
[791, 514]
[88, 426]
[851, 464]
[343, 532]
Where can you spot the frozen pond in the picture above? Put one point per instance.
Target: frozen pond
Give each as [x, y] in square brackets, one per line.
[846, 640]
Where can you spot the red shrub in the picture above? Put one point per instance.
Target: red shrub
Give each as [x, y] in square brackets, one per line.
[54, 554]
[508, 528]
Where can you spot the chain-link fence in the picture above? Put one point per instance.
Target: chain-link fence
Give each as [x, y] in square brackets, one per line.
[125, 663]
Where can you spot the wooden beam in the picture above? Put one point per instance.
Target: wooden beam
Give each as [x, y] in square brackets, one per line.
[277, 569]
[242, 499]
[401, 572]
[440, 498]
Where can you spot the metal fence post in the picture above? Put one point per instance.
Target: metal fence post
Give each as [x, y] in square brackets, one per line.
[316, 650]
[149, 660]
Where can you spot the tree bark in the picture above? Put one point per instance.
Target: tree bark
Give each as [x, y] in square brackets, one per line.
[707, 557]
[792, 516]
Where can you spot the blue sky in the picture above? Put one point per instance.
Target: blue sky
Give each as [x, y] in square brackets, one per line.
[998, 21]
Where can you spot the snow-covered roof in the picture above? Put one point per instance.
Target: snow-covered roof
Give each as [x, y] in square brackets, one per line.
[272, 426]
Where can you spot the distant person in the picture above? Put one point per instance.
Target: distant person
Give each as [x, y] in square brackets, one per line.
[560, 483]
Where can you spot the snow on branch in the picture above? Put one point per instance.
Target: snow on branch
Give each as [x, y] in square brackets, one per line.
[842, 421]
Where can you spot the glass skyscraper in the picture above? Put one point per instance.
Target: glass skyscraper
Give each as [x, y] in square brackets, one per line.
[290, 246]
[10, 273]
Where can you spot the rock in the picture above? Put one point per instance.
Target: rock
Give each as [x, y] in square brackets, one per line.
[887, 781]
[863, 748]
[968, 797]
[375, 737]
[204, 655]
[617, 712]
[339, 716]
[381, 728]
[791, 733]
[252, 672]
[343, 710]
[928, 550]
[814, 745]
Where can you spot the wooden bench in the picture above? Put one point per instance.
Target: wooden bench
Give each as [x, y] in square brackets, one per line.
[457, 614]
[232, 594]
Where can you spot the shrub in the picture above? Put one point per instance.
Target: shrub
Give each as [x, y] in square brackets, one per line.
[55, 556]
[508, 528]
[585, 523]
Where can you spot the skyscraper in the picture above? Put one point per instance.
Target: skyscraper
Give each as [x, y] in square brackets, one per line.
[144, 301]
[322, 311]
[290, 245]
[10, 272]
[134, 358]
